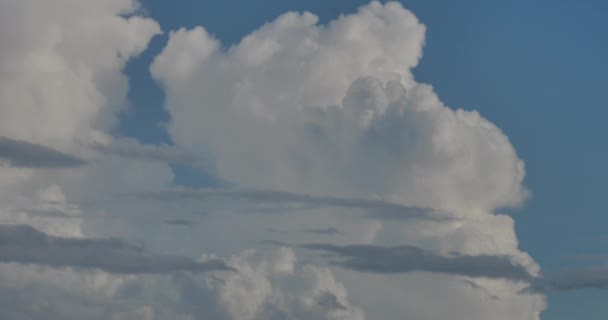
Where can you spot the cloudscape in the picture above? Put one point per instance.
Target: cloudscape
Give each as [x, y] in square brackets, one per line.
[295, 160]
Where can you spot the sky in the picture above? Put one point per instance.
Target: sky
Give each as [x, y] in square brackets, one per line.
[303, 159]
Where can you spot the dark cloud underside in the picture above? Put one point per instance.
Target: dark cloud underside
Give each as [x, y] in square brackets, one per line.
[26, 245]
[23, 154]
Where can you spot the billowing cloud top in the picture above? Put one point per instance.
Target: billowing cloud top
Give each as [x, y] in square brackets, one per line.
[334, 109]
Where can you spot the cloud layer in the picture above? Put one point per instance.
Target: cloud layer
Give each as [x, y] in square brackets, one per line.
[23, 154]
[374, 207]
[333, 111]
[404, 259]
[26, 245]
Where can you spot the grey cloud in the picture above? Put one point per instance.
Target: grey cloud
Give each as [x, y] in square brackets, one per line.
[329, 301]
[584, 278]
[132, 149]
[375, 207]
[275, 243]
[329, 231]
[179, 222]
[47, 213]
[476, 286]
[25, 245]
[404, 259]
[23, 154]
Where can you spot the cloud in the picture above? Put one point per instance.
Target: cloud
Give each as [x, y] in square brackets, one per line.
[58, 82]
[584, 278]
[23, 154]
[61, 82]
[334, 109]
[375, 207]
[131, 149]
[26, 245]
[271, 285]
[264, 285]
[404, 259]
[299, 107]
[180, 222]
[323, 231]
[305, 108]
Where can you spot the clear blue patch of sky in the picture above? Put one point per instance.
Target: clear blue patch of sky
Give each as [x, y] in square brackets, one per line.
[536, 68]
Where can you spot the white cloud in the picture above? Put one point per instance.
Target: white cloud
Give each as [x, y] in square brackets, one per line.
[266, 285]
[61, 75]
[273, 286]
[61, 87]
[61, 66]
[304, 120]
[335, 111]
[61, 84]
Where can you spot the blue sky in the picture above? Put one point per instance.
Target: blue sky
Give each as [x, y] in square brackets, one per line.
[537, 69]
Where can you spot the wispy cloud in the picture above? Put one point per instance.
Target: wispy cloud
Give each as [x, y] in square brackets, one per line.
[584, 278]
[26, 245]
[405, 259]
[376, 208]
[179, 222]
[131, 149]
[23, 154]
[329, 231]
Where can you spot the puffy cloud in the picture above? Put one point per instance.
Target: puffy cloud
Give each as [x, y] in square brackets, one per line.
[374, 135]
[61, 85]
[334, 110]
[263, 285]
[272, 285]
[329, 115]
[61, 66]
[61, 78]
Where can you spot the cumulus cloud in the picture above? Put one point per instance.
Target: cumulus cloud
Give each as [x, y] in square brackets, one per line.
[59, 78]
[26, 245]
[263, 285]
[61, 82]
[334, 109]
[271, 285]
[310, 110]
[23, 154]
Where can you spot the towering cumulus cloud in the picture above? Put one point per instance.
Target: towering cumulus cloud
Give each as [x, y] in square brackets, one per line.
[318, 120]
[335, 110]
